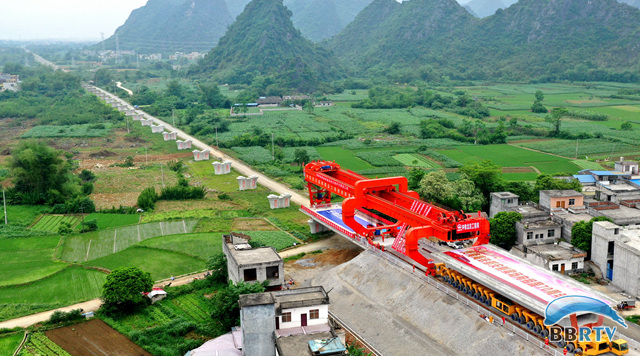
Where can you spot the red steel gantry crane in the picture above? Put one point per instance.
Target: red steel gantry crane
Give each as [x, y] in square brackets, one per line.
[390, 197]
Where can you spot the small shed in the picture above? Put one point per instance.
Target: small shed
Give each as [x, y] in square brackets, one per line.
[156, 294]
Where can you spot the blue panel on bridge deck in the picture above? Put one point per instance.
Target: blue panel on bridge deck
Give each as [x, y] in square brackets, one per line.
[335, 215]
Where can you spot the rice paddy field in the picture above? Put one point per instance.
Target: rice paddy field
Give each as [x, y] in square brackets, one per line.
[106, 221]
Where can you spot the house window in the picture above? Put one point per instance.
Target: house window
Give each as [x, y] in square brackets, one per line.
[250, 275]
[551, 233]
[554, 267]
[509, 201]
[529, 235]
[286, 317]
[616, 231]
[273, 272]
[572, 202]
[314, 314]
[574, 266]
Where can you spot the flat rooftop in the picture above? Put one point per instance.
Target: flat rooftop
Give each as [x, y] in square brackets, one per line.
[254, 256]
[289, 298]
[298, 345]
[541, 224]
[505, 195]
[555, 252]
[619, 187]
[610, 173]
[622, 213]
[561, 193]
[301, 297]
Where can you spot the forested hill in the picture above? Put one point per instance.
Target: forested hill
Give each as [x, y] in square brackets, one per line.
[321, 19]
[548, 39]
[387, 33]
[172, 25]
[263, 44]
[555, 38]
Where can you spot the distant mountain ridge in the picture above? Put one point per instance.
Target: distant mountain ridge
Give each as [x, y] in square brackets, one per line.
[531, 38]
[170, 25]
[322, 19]
[263, 43]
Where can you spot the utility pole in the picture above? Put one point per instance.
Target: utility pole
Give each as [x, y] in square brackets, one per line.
[162, 170]
[273, 148]
[217, 144]
[577, 140]
[173, 117]
[4, 200]
[128, 124]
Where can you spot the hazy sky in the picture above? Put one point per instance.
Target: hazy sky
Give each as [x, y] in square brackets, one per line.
[63, 19]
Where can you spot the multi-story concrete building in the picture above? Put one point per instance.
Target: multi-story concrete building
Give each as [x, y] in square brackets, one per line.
[565, 199]
[616, 252]
[538, 232]
[248, 264]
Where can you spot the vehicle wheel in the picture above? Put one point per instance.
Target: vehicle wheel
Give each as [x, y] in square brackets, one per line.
[477, 295]
[570, 347]
[515, 317]
[465, 290]
[522, 320]
[483, 299]
[561, 344]
[470, 292]
[537, 329]
[488, 302]
[529, 324]
[544, 333]
[578, 351]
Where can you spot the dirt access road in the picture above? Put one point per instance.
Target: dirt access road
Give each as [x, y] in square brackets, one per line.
[91, 305]
[239, 166]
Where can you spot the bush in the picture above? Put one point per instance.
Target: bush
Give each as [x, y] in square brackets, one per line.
[148, 198]
[63, 317]
[180, 192]
[87, 188]
[538, 108]
[87, 176]
[224, 196]
[79, 205]
[64, 228]
[90, 225]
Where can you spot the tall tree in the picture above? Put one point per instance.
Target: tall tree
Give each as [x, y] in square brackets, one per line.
[301, 156]
[503, 229]
[122, 292]
[582, 231]
[225, 303]
[556, 119]
[41, 175]
[539, 95]
[486, 175]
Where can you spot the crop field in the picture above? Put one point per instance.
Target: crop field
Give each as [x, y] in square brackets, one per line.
[169, 314]
[24, 215]
[520, 176]
[106, 221]
[51, 223]
[510, 156]
[343, 157]
[590, 147]
[27, 259]
[160, 263]
[84, 130]
[415, 160]
[588, 165]
[40, 345]
[278, 239]
[98, 339]
[72, 285]
[9, 343]
[203, 245]
[96, 244]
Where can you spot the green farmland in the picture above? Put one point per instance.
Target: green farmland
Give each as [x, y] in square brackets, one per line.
[106, 221]
[510, 156]
[51, 223]
[84, 130]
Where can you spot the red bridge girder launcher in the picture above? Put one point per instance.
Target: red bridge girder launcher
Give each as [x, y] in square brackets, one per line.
[390, 199]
